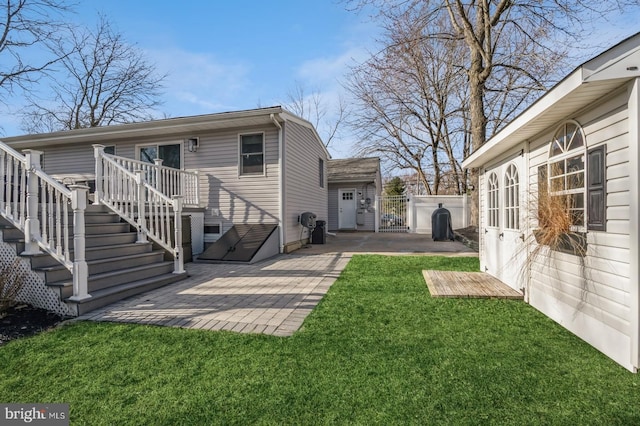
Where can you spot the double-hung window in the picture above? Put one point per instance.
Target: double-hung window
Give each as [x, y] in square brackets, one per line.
[252, 154]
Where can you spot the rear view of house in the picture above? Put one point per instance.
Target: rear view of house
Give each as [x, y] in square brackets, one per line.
[249, 175]
[559, 203]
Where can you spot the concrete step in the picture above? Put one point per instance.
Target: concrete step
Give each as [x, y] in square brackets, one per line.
[100, 298]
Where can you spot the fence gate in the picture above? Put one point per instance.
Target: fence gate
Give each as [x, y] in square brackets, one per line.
[392, 213]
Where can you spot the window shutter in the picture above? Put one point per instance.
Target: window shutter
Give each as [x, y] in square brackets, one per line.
[597, 189]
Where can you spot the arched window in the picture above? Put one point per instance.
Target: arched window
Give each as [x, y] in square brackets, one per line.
[566, 171]
[511, 198]
[494, 201]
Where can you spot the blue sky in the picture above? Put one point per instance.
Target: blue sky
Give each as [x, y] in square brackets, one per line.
[230, 55]
[242, 54]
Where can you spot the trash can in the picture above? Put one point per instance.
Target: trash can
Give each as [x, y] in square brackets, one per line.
[319, 236]
[441, 229]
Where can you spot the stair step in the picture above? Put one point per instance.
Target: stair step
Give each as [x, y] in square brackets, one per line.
[110, 239]
[100, 298]
[114, 278]
[57, 272]
[43, 260]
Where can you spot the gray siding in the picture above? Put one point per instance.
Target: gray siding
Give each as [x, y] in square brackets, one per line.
[368, 190]
[228, 197]
[302, 184]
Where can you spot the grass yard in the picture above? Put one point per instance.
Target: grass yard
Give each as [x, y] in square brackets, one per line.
[377, 350]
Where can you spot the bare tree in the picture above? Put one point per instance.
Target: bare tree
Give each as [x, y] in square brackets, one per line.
[408, 105]
[314, 108]
[516, 39]
[24, 25]
[103, 80]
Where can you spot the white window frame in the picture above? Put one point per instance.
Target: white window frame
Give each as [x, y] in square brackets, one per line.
[581, 152]
[264, 155]
[158, 144]
[512, 198]
[493, 200]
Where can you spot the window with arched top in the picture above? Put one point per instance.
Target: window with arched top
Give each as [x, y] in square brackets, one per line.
[493, 209]
[511, 198]
[566, 171]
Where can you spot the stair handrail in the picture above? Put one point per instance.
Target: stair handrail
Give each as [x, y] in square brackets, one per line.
[168, 180]
[27, 187]
[142, 205]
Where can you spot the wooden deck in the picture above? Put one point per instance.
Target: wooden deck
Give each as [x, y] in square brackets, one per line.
[467, 285]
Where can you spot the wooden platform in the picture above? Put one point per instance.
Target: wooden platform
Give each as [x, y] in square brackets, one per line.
[467, 284]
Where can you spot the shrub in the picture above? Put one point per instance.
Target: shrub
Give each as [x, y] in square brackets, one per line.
[12, 280]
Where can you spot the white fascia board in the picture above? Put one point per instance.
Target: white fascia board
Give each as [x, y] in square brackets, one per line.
[507, 137]
[148, 128]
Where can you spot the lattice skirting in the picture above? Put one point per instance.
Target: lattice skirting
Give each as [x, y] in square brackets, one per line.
[35, 292]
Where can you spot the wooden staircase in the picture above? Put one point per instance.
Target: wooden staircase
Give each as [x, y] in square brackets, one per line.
[118, 266]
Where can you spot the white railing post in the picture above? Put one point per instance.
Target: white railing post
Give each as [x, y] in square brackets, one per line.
[376, 208]
[142, 214]
[178, 264]
[197, 188]
[32, 224]
[98, 150]
[80, 270]
[157, 171]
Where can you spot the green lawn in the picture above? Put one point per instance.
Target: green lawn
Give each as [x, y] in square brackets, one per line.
[377, 350]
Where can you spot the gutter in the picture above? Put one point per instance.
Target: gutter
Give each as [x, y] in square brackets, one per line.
[280, 182]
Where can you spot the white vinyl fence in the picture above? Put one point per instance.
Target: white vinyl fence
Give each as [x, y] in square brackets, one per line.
[413, 213]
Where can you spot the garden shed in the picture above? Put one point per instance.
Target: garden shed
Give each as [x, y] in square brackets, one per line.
[558, 192]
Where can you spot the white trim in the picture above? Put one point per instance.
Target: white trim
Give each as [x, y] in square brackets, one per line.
[176, 142]
[264, 154]
[634, 221]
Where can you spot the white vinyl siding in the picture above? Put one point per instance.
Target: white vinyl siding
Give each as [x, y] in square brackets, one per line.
[594, 289]
[302, 191]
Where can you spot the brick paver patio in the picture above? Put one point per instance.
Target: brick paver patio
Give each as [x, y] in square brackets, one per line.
[270, 297]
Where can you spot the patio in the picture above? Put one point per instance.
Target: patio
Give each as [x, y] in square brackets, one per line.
[270, 297]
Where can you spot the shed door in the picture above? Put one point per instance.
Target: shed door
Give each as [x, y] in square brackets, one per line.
[504, 250]
[347, 208]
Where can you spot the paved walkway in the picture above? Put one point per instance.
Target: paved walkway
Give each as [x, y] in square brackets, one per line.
[271, 297]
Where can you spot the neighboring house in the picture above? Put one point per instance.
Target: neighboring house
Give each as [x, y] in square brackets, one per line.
[354, 184]
[255, 169]
[573, 155]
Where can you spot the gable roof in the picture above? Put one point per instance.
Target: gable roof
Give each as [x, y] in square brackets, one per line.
[164, 127]
[353, 169]
[589, 82]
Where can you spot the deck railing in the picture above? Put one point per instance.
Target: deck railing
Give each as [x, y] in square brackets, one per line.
[167, 180]
[40, 207]
[140, 203]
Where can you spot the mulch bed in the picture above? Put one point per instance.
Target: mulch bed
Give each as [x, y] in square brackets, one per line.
[25, 320]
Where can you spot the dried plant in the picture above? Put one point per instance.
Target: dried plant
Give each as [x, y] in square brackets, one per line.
[12, 281]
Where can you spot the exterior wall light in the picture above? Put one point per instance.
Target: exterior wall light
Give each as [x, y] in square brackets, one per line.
[192, 144]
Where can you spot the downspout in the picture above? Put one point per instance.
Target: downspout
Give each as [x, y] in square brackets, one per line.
[280, 182]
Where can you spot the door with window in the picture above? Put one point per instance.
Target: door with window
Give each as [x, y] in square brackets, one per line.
[504, 236]
[347, 208]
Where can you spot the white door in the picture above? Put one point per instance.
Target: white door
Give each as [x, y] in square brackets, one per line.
[347, 208]
[505, 253]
